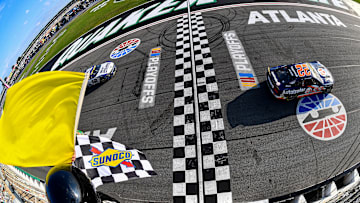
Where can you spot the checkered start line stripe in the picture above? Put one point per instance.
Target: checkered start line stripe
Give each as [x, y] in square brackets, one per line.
[215, 169]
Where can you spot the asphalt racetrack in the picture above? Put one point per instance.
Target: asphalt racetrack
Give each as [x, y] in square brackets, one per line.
[269, 153]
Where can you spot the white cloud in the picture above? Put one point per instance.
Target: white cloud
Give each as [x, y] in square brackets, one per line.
[38, 23]
[2, 6]
[27, 11]
[41, 0]
[26, 22]
[47, 3]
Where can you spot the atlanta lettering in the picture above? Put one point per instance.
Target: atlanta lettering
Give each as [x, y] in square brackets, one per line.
[277, 16]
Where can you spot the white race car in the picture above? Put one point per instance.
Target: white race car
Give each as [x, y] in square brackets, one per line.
[101, 73]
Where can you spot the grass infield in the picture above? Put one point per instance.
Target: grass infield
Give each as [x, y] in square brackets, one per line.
[80, 26]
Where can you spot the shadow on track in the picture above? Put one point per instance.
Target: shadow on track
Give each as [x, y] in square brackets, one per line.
[258, 106]
[104, 197]
[92, 88]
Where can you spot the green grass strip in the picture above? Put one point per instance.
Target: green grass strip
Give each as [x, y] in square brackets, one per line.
[80, 26]
[28, 174]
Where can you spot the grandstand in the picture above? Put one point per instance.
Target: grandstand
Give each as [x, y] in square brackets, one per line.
[18, 186]
[38, 41]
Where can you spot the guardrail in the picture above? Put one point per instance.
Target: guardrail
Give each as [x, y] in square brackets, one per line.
[32, 180]
[341, 188]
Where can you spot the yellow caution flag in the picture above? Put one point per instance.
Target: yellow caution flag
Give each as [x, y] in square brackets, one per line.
[39, 121]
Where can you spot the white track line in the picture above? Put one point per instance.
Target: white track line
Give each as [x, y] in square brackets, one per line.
[356, 40]
[353, 111]
[344, 66]
[197, 112]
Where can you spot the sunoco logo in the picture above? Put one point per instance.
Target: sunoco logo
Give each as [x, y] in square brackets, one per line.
[322, 116]
[110, 157]
[125, 48]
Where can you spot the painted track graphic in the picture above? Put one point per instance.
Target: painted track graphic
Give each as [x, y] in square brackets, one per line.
[322, 116]
[269, 153]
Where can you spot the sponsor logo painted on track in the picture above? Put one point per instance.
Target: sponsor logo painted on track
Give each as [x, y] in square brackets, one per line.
[125, 48]
[148, 12]
[322, 116]
[110, 157]
[247, 79]
[147, 98]
[123, 23]
[242, 65]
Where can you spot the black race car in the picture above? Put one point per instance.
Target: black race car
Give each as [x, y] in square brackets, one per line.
[298, 80]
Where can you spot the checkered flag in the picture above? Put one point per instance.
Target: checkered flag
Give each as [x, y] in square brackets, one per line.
[88, 146]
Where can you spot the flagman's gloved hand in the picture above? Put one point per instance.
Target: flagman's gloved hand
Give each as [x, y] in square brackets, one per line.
[69, 184]
[73, 157]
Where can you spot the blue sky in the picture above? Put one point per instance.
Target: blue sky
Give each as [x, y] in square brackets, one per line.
[20, 22]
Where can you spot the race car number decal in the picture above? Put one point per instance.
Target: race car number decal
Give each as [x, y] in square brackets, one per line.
[303, 70]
